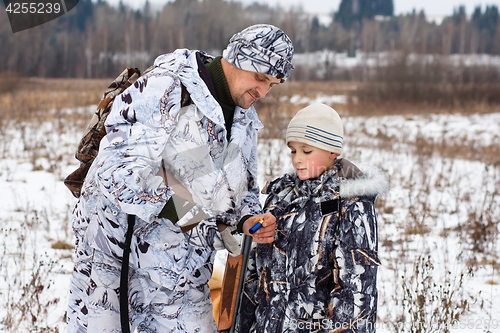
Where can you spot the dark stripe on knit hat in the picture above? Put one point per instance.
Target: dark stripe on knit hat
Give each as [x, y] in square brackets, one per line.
[333, 138]
[317, 125]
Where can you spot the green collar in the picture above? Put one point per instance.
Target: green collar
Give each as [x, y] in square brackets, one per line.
[223, 94]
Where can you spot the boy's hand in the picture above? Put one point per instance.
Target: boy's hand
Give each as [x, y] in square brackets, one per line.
[266, 233]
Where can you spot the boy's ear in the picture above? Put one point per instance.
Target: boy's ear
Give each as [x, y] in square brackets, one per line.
[333, 156]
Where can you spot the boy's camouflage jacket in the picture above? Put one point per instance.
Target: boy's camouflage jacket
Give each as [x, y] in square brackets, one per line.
[319, 275]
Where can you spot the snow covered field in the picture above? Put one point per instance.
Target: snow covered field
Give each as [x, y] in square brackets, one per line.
[438, 226]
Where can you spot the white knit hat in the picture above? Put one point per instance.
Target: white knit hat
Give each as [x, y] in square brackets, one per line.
[317, 125]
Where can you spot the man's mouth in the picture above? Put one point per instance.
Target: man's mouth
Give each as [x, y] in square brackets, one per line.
[253, 96]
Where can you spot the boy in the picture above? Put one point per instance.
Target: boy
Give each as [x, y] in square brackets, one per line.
[319, 275]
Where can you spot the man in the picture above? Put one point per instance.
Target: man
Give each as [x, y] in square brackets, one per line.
[185, 130]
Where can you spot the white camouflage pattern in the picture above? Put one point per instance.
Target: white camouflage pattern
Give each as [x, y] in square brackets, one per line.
[261, 48]
[169, 270]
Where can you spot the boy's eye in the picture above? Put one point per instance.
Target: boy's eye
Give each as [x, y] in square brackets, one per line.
[292, 152]
[307, 152]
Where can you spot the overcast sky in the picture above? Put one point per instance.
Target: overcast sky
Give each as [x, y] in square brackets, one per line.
[431, 7]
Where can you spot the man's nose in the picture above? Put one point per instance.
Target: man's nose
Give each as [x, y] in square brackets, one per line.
[262, 90]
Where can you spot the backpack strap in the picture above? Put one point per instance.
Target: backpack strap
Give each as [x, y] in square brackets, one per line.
[124, 276]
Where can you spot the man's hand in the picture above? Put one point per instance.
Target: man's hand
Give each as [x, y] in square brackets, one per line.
[266, 233]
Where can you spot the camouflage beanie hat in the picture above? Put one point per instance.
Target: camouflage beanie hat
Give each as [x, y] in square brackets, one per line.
[261, 48]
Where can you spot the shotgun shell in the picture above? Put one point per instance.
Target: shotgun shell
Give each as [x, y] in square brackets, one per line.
[256, 226]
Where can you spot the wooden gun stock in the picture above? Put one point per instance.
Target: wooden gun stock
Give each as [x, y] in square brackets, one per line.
[232, 287]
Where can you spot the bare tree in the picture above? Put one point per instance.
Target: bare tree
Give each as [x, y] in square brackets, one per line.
[88, 50]
[367, 42]
[496, 39]
[463, 26]
[409, 32]
[447, 30]
[474, 46]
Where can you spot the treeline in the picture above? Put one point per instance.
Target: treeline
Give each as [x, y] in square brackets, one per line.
[98, 40]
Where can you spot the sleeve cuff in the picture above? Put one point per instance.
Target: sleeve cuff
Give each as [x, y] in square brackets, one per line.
[242, 221]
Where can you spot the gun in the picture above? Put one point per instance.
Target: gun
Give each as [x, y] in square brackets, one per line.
[232, 287]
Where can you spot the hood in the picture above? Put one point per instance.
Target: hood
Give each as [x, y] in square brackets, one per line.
[374, 182]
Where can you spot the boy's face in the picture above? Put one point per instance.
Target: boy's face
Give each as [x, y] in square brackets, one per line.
[308, 161]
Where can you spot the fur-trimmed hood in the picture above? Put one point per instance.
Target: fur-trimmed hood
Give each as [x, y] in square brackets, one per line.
[374, 182]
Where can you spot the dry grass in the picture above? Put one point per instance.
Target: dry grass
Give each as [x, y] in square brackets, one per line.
[359, 102]
[31, 98]
[41, 100]
[399, 107]
[273, 110]
[35, 94]
[312, 88]
[62, 245]
[424, 98]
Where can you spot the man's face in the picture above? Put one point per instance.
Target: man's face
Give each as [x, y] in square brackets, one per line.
[247, 87]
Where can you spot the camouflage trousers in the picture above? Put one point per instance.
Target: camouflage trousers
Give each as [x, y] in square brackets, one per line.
[94, 300]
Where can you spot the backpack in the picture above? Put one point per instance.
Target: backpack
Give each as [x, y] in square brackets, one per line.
[89, 144]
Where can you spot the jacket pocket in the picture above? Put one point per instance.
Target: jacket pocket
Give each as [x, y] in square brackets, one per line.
[160, 254]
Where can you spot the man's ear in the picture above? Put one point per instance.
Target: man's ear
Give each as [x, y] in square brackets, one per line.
[333, 156]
